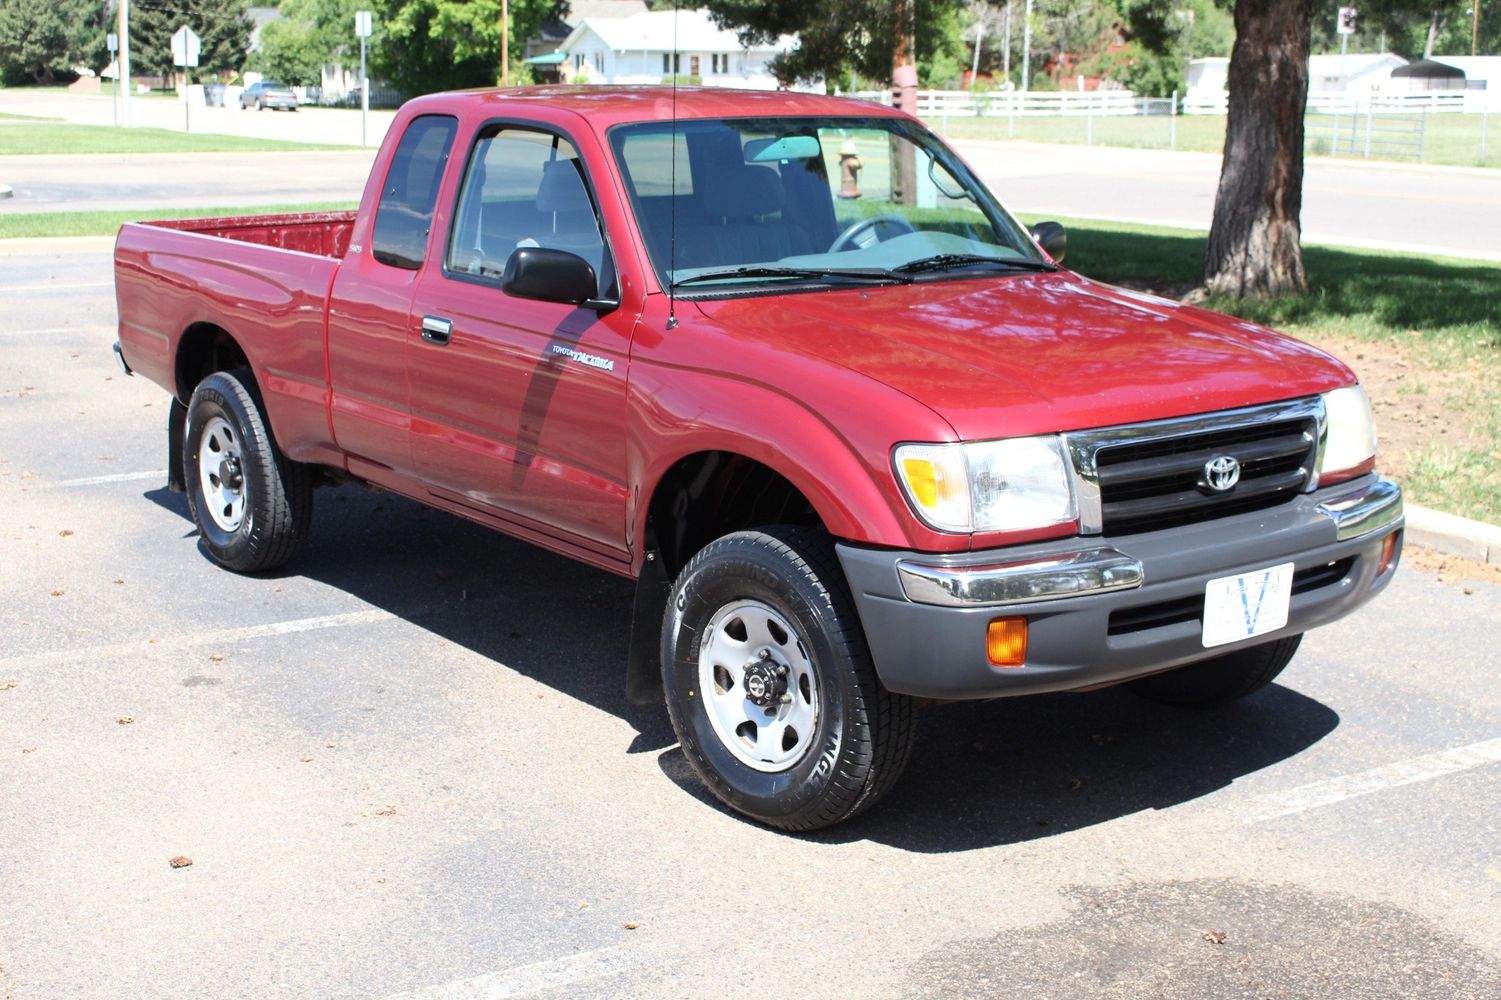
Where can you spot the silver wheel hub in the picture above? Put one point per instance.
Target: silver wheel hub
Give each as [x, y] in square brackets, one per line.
[221, 474]
[759, 687]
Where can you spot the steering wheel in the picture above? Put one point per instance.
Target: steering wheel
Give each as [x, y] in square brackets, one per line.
[850, 238]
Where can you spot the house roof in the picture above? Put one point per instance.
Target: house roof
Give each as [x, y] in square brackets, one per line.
[654, 31]
[555, 29]
[1476, 67]
[1356, 64]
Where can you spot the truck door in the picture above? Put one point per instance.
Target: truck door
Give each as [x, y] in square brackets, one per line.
[371, 299]
[518, 405]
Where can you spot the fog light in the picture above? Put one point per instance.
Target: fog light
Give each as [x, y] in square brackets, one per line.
[1006, 642]
[1388, 552]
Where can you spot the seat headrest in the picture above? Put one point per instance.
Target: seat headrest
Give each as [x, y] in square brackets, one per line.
[562, 188]
[748, 191]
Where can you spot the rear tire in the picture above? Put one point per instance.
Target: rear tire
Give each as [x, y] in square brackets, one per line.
[1219, 681]
[769, 684]
[251, 503]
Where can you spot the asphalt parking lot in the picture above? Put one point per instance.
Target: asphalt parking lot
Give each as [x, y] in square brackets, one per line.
[405, 767]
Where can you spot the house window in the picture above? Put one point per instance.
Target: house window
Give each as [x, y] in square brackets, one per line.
[671, 62]
[599, 61]
[578, 60]
[720, 62]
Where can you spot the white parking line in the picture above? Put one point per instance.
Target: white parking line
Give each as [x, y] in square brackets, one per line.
[223, 637]
[1403, 772]
[525, 979]
[53, 286]
[119, 477]
[50, 331]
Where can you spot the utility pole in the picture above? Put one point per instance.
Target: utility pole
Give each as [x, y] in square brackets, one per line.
[1006, 45]
[362, 26]
[1475, 27]
[123, 69]
[974, 68]
[904, 98]
[505, 43]
[1027, 49]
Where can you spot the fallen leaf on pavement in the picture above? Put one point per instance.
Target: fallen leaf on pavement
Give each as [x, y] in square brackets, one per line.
[1214, 937]
[125, 720]
[631, 925]
[180, 862]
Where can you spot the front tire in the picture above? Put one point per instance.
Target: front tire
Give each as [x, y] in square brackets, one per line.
[1226, 678]
[252, 504]
[769, 684]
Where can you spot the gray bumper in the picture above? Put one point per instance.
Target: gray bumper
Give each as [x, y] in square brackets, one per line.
[1106, 609]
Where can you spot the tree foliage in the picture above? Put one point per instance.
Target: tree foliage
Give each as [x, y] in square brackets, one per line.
[222, 26]
[308, 35]
[40, 38]
[837, 37]
[430, 45]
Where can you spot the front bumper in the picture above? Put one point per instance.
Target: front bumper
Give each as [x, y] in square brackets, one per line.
[1107, 609]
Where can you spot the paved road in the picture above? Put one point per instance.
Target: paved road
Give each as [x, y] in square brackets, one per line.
[1427, 210]
[168, 180]
[405, 767]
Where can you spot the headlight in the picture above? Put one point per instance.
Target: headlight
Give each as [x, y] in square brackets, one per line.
[1350, 447]
[1009, 485]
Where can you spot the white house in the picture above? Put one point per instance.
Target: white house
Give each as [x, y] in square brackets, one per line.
[1358, 73]
[639, 49]
[1481, 72]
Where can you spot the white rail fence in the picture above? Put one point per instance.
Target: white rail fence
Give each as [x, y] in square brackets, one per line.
[1067, 103]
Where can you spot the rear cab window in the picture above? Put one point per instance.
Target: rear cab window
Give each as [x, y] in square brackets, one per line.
[404, 215]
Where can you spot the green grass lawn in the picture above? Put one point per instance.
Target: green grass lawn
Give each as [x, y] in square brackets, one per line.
[17, 140]
[1449, 139]
[1443, 314]
[23, 224]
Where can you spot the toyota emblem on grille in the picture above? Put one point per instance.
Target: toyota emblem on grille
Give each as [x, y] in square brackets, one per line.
[1221, 473]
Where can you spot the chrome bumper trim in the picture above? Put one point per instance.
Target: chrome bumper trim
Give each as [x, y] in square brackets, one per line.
[120, 357]
[1072, 574]
[1373, 508]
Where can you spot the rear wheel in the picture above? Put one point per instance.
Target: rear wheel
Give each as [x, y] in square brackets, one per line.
[1224, 679]
[769, 684]
[252, 505]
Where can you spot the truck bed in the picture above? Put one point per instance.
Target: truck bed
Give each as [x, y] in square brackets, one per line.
[322, 233]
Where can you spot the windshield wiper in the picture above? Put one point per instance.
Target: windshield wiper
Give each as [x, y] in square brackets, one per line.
[944, 261]
[766, 271]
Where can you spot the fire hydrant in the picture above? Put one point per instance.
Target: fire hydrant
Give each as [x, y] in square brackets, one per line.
[849, 171]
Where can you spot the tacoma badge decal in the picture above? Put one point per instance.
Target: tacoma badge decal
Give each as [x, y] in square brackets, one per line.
[592, 360]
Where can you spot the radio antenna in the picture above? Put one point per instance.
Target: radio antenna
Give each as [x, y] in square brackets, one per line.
[672, 184]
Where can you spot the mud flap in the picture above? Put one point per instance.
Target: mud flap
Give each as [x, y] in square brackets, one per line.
[643, 676]
[177, 423]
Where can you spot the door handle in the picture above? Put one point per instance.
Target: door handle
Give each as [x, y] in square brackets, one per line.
[436, 330]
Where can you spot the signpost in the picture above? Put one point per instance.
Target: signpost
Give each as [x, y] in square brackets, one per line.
[1346, 27]
[363, 24]
[185, 47]
[112, 42]
[123, 70]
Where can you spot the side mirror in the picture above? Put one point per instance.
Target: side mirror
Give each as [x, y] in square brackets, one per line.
[549, 275]
[1053, 238]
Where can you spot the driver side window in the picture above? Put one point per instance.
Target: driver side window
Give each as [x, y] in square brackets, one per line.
[523, 188]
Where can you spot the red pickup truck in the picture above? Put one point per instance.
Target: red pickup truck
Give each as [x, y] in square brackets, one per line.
[786, 362]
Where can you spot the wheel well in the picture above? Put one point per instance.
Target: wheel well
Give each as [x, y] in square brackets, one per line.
[203, 350]
[710, 494]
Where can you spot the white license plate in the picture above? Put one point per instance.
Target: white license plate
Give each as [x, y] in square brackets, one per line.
[1251, 604]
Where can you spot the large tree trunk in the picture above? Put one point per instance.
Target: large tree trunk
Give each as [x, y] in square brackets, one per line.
[1253, 241]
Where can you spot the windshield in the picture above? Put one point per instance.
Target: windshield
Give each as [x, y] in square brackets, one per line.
[757, 202]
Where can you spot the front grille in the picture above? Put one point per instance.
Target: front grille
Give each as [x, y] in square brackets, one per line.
[1152, 484]
[1191, 609]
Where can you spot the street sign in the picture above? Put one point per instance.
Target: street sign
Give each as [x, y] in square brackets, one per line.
[185, 47]
[1346, 25]
[363, 23]
[112, 42]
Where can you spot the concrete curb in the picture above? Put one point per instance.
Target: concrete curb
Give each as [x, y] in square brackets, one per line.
[1457, 536]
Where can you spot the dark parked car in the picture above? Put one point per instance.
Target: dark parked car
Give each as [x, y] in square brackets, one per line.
[268, 94]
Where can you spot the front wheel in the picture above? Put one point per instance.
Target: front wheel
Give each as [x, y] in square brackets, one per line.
[769, 684]
[252, 505]
[1226, 678]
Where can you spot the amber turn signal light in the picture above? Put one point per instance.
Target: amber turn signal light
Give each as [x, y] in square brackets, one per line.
[1388, 552]
[1006, 642]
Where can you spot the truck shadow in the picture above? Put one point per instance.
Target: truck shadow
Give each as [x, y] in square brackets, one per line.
[982, 774]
